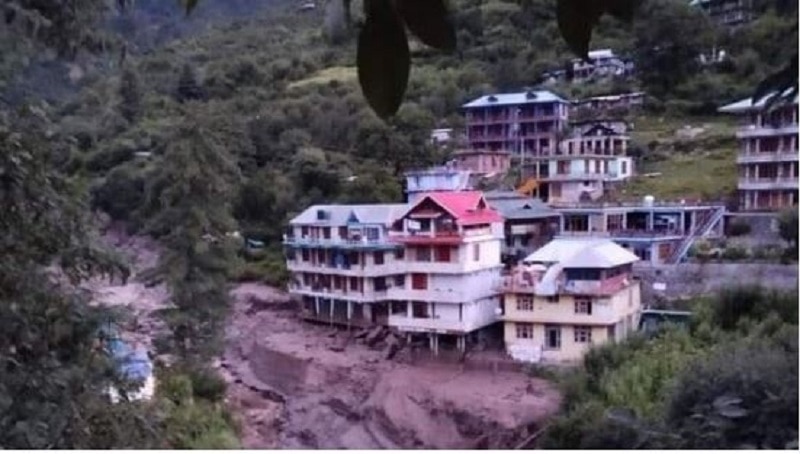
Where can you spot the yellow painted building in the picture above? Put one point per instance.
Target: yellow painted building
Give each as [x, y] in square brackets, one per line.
[579, 293]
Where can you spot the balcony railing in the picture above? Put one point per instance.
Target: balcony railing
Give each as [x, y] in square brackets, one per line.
[768, 156]
[334, 242]
[765, 131]
[768, 183]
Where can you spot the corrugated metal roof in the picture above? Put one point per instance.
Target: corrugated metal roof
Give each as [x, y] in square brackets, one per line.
[521, 208]
[747, 104]
[583, 253]
[340, 215]
[510, 99]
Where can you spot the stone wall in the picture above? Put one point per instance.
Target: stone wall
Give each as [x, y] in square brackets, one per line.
[690, 279]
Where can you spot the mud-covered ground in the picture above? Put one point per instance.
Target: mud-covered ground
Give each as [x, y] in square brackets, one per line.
[297, 385]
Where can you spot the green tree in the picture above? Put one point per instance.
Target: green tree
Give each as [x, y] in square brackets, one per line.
[668, 41]
[189, 89]
[130, 93]
[787, 226]
[193, 215]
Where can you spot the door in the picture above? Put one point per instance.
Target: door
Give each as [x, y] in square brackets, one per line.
[552, 337]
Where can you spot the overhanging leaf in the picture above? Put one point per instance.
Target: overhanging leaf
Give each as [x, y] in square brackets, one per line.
[623, 10]
[779, 85]
[383, 58]
[576, 18]
[188, 5]
[429, 21]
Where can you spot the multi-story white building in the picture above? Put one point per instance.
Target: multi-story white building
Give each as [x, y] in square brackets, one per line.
[343, 261]
[591, 157]
[768, 155]
[451, 259]
[567, 296]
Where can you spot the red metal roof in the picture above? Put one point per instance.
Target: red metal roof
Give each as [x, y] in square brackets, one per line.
[464, 206]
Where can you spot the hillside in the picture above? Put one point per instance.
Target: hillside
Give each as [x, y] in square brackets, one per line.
[301, 124]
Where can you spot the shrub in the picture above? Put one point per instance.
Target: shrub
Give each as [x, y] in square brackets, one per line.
[738, 228]
[752, 301]
[207, 384]
[734, 253]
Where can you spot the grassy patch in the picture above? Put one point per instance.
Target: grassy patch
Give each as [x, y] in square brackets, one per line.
[337, 73]
[694, 157]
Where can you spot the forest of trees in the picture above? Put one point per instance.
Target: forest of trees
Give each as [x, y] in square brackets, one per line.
[240, 126]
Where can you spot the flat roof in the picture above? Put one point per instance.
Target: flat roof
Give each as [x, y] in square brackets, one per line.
[511, 99]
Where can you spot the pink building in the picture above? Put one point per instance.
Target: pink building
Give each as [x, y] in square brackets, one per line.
[483, 162]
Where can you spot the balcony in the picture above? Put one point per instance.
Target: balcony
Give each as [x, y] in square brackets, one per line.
[434, 238]
[388, 268]
[627, 234]
[767, 156]
[755, 184]
[766, 131]
[428, 295]
[580, 177]
[363, 243]
[436, 325]
[328, 293]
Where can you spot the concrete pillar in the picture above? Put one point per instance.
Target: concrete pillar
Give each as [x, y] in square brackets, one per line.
[683, 222]
[349, 310]
[333, 303]
[409, 312]
[436, 344]
[562, 224]
[625, 221]
[650, 220]
[316, 305]
[431, 342]
[756, 170]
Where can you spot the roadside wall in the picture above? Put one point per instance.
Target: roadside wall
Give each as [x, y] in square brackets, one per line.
[692, 279]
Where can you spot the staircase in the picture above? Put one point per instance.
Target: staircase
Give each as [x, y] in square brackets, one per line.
[702, 229]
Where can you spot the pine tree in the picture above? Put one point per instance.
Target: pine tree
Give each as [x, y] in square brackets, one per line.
[189, 89]
[130, 106]
[194, 215]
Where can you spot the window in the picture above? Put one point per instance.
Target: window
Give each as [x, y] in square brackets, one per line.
[379, 258]
[337, 282]
[419, 281]
[353, 258]
[380, 284]
[624, 168]
[443, 253]
[304, 231]
[326, 233]
[353, 283]
[399, 254]
[552, 337]
[583, 306]
[419, 309]
[399, 308]
[306, 255]
[524, 330]
[476, 252]
[583, 274]
[343, 232]
[400, 280]
[552, 299]
[306, 279]
[525, 303]
[372, 233]
[583, 334]
[423, 254]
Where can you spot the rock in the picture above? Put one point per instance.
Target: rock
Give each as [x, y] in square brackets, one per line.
[391, 350]
[375, 335]
[361, 334]
[337, 347]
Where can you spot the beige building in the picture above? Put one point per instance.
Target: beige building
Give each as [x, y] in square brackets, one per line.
[768, 155]
[568, 296]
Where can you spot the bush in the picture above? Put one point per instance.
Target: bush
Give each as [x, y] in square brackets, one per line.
[740, 395]
[734, 253]
[739, 228]
[754, 302]
[207, 384]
